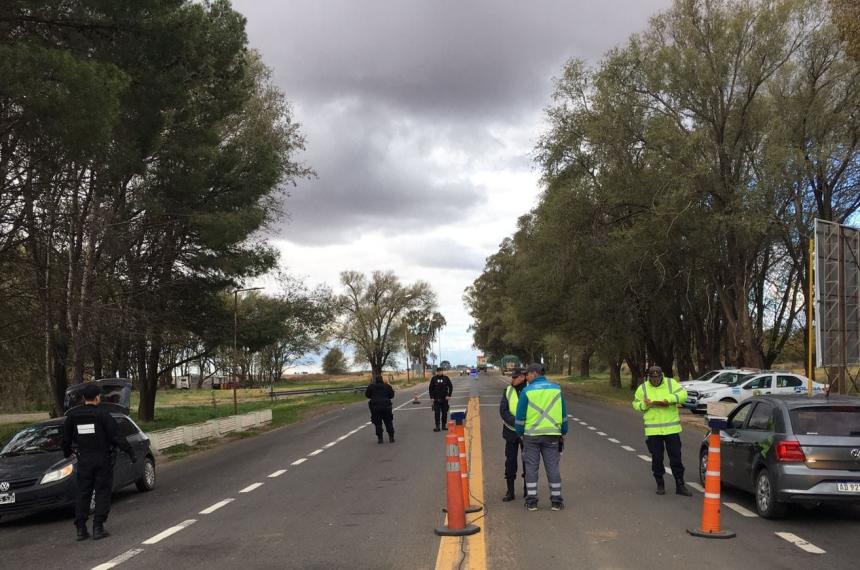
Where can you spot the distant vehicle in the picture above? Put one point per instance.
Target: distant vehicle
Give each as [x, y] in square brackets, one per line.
[791, 449]
[182, 383]
[34, 476]
[745, 386]
[721, 376]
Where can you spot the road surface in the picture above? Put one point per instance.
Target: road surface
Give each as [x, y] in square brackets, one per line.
[322, 495]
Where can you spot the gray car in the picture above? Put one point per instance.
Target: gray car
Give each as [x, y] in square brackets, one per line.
[791, 449]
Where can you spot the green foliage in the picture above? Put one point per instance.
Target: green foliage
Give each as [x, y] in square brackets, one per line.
[334, 362]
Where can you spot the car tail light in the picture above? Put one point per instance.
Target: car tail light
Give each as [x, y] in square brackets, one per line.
[789, 452]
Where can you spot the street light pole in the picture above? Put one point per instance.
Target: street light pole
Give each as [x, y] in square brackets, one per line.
[235, 342]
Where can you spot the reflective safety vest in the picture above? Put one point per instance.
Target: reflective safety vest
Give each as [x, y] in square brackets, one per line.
[544, 413]
[513, 398]
[660, 420]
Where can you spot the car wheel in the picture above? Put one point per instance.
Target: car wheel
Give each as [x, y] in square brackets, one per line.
[703, 465]
[147, 480]
[765, 497]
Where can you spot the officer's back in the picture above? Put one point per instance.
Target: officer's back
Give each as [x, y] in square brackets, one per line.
[90, 427]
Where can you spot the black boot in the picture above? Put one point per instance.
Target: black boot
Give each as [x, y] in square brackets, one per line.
[681, 488]
[99, 531]
[391, 437]
[83, 533]
[510, 495]
[661, 487]
[436, 428]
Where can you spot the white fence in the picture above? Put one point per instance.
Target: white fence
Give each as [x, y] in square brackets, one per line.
[190, 434]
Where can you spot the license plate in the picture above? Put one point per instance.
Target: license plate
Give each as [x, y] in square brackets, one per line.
[842, 487]
[7, 498]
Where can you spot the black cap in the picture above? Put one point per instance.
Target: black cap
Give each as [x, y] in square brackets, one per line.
[91, 392]
[536, 367]
[517, 372]
[655, 371]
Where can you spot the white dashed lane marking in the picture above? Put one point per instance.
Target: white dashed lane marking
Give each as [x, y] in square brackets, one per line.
[645, 458]
[627, 447]
[216, 506]
[695, 486]
[277, 473]
[613, 440]
[601, 433]
[125, 556]
[800, 543]
[330, 444]
[592, 428]
[169, 532]
[299, 461]
[251, 487]
[741, 510]
[317, 452]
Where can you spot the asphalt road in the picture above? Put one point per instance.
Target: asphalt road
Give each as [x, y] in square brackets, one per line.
[356, 504]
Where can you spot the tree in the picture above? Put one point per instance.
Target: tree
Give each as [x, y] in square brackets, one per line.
[334, 362]
[422, 328]
[372, 312]
[846, 15]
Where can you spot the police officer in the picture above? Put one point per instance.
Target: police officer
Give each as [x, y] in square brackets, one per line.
[380, 394]
[542, 421]
[440, 390]
[513, 441]
[658, 399]
[96, 434]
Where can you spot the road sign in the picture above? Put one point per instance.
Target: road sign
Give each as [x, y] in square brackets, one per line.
[837, 296]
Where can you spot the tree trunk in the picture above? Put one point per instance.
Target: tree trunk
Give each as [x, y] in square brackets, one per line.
[585, 361]
[147, 366]
[615, 373]
[570, 362]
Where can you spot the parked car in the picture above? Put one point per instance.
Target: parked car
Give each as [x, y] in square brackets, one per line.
[34, 475]
[742, 386]
[791, 449]
[721, 376]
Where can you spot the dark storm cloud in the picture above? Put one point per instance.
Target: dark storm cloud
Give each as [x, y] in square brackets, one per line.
[378, 85]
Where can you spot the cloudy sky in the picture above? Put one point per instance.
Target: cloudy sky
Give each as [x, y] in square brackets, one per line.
[421, 117]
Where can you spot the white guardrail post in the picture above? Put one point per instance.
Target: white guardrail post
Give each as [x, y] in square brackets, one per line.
[192, 433]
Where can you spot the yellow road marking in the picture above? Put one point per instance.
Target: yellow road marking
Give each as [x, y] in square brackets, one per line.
[452, 548]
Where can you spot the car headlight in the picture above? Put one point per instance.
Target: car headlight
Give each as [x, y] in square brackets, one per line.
[704, 395]
[58, 474]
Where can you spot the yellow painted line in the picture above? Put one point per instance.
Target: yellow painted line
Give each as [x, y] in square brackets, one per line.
[452, 548]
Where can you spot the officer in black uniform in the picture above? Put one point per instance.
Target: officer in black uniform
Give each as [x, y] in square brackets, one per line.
[440, 390]
[380, 394]
[513, 441]
[96, 434]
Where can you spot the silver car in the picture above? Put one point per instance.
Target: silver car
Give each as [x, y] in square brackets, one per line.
[791, 449]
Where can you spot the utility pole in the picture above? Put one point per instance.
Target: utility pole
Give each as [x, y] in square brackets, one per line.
[406, 339]
[235, 342]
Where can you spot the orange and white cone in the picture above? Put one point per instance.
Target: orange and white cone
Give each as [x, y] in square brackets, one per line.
[711, 512]
[456, 524]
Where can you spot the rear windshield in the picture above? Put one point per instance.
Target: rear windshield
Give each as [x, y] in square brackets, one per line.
[34, 440]
[826, 420]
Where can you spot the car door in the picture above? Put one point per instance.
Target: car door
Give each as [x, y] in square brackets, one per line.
[756, 386]
[789, 384]
[730, 442]
[123, 469]
[753, 443]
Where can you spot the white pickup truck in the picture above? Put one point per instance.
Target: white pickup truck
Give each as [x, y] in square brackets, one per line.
[746, 386]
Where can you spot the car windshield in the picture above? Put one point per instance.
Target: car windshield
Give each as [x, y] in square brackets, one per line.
[830, 420]
[706, 376]
[731, 378]
[34, 439]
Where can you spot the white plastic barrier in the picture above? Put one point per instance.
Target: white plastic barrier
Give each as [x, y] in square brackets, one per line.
[191, 434]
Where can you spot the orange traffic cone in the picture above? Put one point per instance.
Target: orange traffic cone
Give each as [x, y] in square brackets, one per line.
[415, 400]
[460, 430]
[456, 513]
[711, 512]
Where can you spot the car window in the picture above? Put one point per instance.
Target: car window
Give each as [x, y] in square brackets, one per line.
[126, 428]
[34, 440]
[760, 383]
[832, 420]
[732, 378]
[762, 417]
[783, 381]
[737, 419]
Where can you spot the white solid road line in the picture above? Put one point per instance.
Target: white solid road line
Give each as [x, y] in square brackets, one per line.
[317, 452]
[613, 440]
[299, 461]
[216, 506]
[277, 473]
[171, 531]
[695, 486]
[627, 447]
[251, 487]
[127, 555]
[330, 444]
[601, 433]
[800, 543]
[343, 437]
[741, 510]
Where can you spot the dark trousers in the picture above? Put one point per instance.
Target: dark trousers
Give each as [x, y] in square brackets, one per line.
[378, 417]
[440, 412]
[512, 448]
[672, 444]
[94, 474]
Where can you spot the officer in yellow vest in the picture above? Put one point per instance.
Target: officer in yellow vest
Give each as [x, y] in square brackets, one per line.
[513, 441]
[659, 398]
[542, 421]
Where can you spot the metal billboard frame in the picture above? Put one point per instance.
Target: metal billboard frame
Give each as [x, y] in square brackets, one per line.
[837, 300]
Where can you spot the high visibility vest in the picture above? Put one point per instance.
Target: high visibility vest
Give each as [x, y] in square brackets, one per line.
[513, 399]
[543, 416]
[660, 420]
